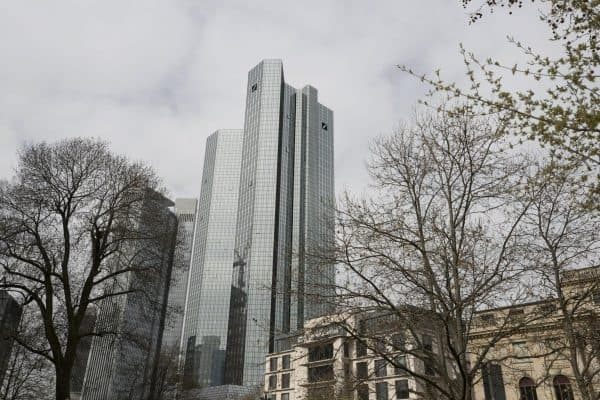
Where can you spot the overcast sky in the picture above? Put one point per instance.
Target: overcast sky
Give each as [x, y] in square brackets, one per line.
[156, 77]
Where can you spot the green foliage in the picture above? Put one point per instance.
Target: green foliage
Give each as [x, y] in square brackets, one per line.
[561, 108]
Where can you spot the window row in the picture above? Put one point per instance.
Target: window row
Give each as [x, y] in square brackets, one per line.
[401, 388]
[283, 396]
[381, 370]
[285, 381]
[493, 385]
[285, 363]
[560, 383]
[395, 342]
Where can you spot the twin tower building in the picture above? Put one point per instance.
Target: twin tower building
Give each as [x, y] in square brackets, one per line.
[264, 228]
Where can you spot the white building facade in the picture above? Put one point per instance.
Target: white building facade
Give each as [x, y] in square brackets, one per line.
[328, 362]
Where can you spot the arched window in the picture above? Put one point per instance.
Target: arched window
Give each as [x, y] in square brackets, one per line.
[527, 389]
[562, 388]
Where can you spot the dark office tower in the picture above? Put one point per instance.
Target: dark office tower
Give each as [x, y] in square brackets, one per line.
[185, 211]
[207, 308]
[123, 362]
[10, 316]
[285, 214]
[83, 352]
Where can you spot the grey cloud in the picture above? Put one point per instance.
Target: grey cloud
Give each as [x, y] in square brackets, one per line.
[155, 78]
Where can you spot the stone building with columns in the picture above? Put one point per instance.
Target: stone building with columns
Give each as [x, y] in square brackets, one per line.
[534, 361]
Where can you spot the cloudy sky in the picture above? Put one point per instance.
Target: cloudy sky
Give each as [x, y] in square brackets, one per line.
[156, 77]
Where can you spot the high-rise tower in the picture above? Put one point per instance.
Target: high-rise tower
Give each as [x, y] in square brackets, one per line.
[285, 215]
[124, 353]
[207, 309]
[185, 211]
[10, 316]
[266, 206]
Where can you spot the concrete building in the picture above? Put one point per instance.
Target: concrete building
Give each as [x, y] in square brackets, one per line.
[123, 361]
[342, 357]
[328, 361]
[266, 206]
[532, 362]
[10, 317]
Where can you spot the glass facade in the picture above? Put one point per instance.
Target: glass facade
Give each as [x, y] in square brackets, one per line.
[315, 209]
[207, 307]
[123, 361]
[185, 211]
[10, 315]
[266, 206]
[284, 219]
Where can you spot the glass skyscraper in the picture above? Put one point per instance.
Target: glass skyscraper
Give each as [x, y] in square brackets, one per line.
[124, 354]
[10, 317]
[207, 309]
[185, 211]
[283, 217]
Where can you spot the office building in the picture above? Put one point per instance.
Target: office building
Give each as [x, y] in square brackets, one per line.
[269, 227]
[10, 317]
[83, 353]
[185, 211]
[207, 308]
[285, 218]
[123, 359]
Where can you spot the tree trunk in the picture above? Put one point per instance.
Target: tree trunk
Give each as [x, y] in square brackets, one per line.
[63, 384]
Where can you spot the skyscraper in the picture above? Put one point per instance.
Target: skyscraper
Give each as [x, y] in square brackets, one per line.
[123, 357]
[207, 309]
[284, 216]
[185, 211]
[10, 317]
[266, 205]
[83, 352]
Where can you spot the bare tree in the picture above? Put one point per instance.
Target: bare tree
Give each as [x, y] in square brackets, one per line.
[69, 235]
[563, 234]
[436, 234]
[28, 376]
[169, 376]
